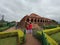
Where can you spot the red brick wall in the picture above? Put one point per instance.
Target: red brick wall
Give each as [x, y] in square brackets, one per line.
[36, 20]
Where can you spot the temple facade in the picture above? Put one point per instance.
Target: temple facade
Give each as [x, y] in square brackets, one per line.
[35, 19]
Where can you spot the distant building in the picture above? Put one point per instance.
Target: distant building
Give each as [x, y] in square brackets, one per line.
[35, 19]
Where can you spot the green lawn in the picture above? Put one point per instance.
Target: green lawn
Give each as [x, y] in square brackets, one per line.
[8, 41]
[56, 37]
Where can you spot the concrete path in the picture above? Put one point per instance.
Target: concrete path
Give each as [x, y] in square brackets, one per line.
[30, 40]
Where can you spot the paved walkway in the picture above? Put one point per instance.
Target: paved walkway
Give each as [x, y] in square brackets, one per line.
[30, 40]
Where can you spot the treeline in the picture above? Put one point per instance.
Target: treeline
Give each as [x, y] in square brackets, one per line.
[5, 25]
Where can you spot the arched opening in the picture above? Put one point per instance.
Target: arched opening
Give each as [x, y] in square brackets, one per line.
[31, 20]
[35, 20]
[38, 20]
[27, 20]
[41, 20]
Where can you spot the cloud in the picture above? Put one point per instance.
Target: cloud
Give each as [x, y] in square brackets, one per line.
[17, 9]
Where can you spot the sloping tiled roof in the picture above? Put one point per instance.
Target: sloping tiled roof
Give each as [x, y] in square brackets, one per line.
[34, 15]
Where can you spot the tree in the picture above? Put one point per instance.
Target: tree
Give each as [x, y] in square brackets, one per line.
[55, 21]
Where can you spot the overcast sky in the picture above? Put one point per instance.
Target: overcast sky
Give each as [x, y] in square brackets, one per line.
[17, 9]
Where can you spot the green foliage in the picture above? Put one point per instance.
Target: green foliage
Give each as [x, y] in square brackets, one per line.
[3, 28]
[8, 38]
[44, 39]
[41, 37]
[17, 33]
[52, 31]
[55, 21]
[56, 37]
[6, 25]
[3, 24]
[59, 25]
[50, 26]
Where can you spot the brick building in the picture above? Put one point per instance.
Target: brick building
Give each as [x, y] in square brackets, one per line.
[35, 19]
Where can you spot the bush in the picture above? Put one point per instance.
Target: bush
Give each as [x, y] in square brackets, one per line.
[50, 26]
[52, 31]
[47, 39]
[44, 38]
[18, 33]
[3, 28]
[10, 24]
[2, 24]
[21, 36]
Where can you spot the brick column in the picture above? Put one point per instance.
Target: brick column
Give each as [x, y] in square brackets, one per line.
[33, 20]
[37, 20]
[29, 19]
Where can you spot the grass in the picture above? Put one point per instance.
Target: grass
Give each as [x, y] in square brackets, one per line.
[8, 41]
[56, 37]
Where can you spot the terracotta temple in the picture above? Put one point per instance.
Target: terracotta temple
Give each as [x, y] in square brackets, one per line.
[35, 19]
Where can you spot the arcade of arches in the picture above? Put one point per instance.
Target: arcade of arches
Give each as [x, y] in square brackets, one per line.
[35, 19]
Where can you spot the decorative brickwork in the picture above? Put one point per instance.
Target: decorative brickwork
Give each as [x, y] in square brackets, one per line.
[34, 19]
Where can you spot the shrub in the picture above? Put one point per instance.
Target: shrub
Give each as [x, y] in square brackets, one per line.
[52, 31]
[17, 33]
[21, 36]
[50, 26]
[3, 28]
[45, 39]
[47, 32]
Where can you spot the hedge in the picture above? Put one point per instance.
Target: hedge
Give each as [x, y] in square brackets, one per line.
[52, 31]
[50, 40]
[17, 33]
[3, 24]
[3, 28]
[50, 26]
[6, 27]
[45, 38]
